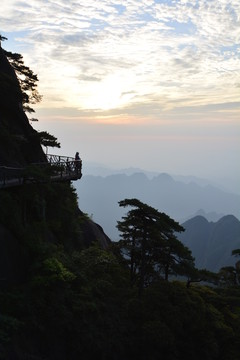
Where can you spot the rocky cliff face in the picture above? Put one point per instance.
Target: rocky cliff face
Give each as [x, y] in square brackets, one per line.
[39, 216]
[19, 142]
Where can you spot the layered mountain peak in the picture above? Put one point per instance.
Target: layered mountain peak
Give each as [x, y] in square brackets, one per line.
[212, 243]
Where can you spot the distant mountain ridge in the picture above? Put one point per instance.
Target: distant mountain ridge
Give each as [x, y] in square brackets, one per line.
[225, 184]
[211, 243]
[210, 216]
[99, 196]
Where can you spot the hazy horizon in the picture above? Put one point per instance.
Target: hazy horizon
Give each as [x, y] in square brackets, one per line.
[146, 84]
[180, 198]
[104, 170]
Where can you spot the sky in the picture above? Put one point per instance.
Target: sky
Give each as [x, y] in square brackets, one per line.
[148, 84]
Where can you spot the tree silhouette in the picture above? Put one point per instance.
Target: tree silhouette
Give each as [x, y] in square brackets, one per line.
[26, 78]
[47, 139]
[230, 275]
[149, 244]
[2, 38]
[27, 81]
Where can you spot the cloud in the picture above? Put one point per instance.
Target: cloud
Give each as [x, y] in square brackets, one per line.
[114, 54]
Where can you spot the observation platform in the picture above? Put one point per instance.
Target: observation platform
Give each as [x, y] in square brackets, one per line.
[55, 169]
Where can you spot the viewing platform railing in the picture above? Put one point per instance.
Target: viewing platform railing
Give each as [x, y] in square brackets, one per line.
[56, 168]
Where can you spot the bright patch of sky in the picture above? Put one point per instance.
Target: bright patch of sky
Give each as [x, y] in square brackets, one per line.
[148, 64]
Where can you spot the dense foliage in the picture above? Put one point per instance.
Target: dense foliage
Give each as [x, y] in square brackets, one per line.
[231, 274]
[74, 302]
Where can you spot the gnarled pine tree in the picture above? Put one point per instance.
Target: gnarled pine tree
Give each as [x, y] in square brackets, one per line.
[150, 245]
[26, 78]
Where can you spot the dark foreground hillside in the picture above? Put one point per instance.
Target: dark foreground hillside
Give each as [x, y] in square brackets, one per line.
[66, 294]
[80, 306]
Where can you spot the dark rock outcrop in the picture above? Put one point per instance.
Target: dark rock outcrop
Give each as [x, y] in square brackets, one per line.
[94, 232]
[10, 258]
[19, 142]
[20, 146]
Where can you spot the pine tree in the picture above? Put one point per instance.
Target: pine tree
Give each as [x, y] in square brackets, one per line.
[27, 81]
[150, 246]
[26, 78]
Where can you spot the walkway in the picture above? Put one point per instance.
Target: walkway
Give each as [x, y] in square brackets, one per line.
[57, 168]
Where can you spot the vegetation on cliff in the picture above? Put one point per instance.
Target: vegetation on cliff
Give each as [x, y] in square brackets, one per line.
[27, 80]
[74, 302]
[68, 299]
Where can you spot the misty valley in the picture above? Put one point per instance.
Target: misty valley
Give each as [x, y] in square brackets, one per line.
[218, 232]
